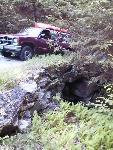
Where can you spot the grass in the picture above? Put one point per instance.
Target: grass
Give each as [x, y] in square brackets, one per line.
[9, 78]
[72, 127]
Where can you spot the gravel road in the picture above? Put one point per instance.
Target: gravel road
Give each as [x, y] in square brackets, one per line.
[8, 63]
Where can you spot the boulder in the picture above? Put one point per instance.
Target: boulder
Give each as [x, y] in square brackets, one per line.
[14, 108]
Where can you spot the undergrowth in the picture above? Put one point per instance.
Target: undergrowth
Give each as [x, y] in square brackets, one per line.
[72, 127]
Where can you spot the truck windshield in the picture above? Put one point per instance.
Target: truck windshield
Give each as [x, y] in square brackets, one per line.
[31, 31]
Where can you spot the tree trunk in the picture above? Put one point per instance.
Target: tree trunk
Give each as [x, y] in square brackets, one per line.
[34, 11]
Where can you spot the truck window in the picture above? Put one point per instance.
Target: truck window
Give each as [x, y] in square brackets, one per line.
[54, 35]
[45, 34]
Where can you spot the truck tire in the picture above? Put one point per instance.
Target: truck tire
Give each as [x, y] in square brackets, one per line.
[26, 53]
[6, 54]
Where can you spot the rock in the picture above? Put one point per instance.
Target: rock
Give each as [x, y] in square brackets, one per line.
[11, 103]
[77, 82]
[18, 105]
[29, 87]
[24, 124]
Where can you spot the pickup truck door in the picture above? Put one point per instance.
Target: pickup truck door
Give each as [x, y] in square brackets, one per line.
[43, 42]
[42, 45]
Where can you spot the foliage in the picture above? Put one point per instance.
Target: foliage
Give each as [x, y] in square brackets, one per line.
[107, 100]
[70, 127]
[90, 22]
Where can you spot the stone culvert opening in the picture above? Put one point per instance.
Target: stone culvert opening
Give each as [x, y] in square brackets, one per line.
[9, 131]
[80, 90]
[74, 84]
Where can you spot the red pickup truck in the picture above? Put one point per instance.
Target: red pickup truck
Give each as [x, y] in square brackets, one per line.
[40, 39]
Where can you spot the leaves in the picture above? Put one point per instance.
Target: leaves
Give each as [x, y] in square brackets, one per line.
[89, 130]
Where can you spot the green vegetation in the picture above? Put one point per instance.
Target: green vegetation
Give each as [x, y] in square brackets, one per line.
[89, 21]
[71, 127]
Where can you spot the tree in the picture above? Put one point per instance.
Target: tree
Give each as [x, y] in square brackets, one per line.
[90, 22]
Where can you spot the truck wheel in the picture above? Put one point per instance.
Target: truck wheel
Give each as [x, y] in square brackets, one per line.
[6, 54]
[26, 53]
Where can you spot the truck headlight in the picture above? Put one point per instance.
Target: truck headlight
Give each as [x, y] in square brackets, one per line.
[15, 40]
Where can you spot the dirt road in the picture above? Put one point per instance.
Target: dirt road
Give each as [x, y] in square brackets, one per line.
[9, 63]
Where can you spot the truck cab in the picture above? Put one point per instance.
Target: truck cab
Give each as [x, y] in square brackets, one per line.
[40, 39]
